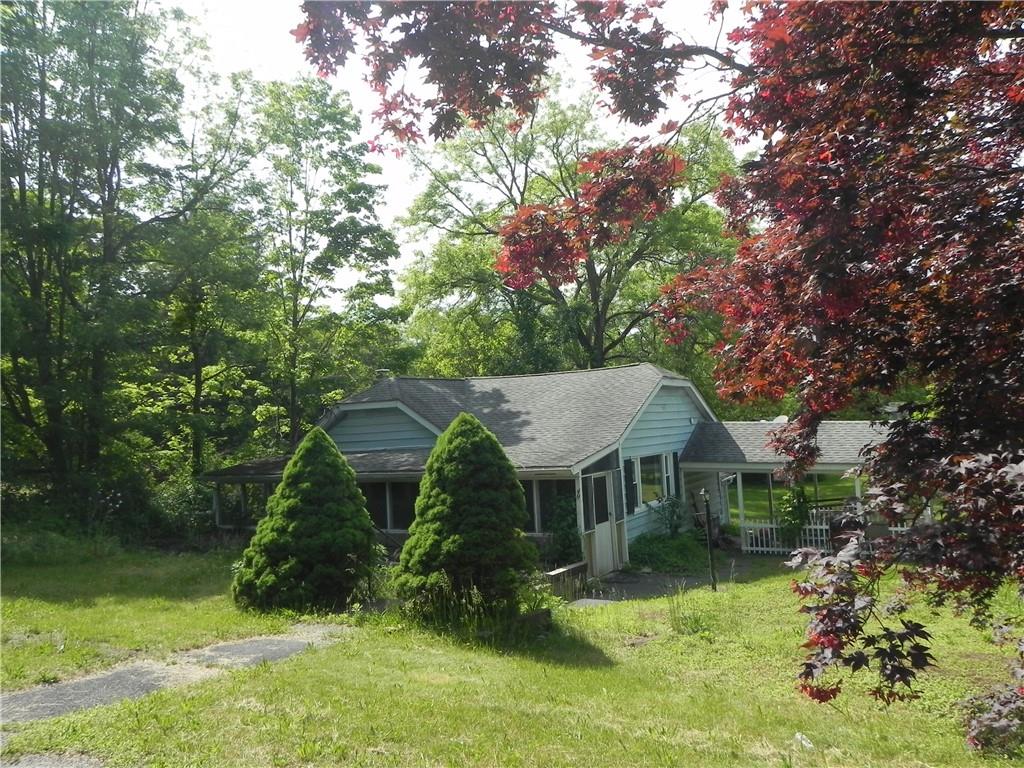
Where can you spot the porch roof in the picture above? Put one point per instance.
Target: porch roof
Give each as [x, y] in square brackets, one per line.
[369, 463]
[732, 443]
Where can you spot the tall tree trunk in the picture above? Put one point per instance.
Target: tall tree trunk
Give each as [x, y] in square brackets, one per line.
[196, 411]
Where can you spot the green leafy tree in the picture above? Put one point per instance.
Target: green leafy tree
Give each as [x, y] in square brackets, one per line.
[317, 214]
[599, 314]
[316, 544]
[469, 519]
[95, 168]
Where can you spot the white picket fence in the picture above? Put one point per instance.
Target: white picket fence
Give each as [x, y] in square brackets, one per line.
[761, 537]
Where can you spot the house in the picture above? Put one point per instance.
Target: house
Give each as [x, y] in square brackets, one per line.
[610, 442]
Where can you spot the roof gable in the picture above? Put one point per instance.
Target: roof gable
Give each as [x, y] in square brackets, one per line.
[550, 420]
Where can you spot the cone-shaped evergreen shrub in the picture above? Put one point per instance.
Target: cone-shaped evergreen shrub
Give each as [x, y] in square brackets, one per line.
[469, 519]
[316, 543]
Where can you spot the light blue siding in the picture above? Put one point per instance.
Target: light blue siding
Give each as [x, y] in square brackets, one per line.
[664, 427]
[665, 424]
[377, 429]
[641, 522]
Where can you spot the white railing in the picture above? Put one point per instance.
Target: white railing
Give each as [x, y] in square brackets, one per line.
[763, 538]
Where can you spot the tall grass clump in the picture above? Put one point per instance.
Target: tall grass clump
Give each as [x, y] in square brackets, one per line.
[686, 616]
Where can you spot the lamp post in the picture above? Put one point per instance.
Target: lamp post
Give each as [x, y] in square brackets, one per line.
[707, 530]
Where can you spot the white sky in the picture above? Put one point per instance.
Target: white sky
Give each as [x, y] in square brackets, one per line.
[255, 36]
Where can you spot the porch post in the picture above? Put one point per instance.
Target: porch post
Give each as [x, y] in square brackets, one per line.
[216, 504]
[241, 495]
[739, 496]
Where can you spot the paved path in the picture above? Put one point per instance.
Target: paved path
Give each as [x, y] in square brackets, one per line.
[134, 680]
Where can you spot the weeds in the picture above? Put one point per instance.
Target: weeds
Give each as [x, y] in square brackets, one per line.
[687, 617]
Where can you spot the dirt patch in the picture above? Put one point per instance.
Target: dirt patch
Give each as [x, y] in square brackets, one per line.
[639, 641]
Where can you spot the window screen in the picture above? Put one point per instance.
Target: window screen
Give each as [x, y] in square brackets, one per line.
[629, 471]
[403, 504]
[376, 502]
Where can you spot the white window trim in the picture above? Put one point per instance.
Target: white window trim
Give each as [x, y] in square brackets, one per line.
[667, 480]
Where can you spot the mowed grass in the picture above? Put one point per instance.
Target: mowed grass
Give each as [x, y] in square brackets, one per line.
[706, 679]
[61, 621]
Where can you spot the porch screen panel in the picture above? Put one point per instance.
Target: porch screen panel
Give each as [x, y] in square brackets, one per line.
[606, 462]
[555, 495]
[403, 504]
[620, 507]
[601, 499]
[588, 503]
[757, 495]
[376, 502]
[834, 488]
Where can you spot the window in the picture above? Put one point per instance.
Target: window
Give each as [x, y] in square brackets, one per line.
[667, 483]
[403, 504]
[651, 478]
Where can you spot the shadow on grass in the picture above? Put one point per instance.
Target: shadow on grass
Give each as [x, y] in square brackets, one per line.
[553, 643]
[560, 646]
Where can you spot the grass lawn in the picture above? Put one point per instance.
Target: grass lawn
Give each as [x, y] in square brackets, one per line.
[706, 679]
[63, 621]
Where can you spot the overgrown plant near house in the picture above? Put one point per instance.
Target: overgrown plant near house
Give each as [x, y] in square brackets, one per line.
[670, 513]
[793, 513]
[316, 546]
[467, 536]
[566, 546]
[668, 554]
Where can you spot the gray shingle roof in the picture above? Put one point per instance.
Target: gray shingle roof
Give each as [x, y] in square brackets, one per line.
[746, 442]
[549, 421]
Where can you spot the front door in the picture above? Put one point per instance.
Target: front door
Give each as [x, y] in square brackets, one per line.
[605, 559]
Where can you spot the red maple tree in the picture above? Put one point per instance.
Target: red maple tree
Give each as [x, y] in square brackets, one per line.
[622, 187]
[884, 240]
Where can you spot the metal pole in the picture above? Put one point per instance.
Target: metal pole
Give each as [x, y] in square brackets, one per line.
[707, 530]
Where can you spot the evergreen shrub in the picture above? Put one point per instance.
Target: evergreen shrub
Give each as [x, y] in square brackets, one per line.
[467, 536]
[316, 545]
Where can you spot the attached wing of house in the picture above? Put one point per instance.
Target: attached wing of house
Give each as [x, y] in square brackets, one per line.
[613, 440]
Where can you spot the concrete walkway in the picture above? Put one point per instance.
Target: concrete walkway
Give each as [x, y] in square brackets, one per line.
[137, 679]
